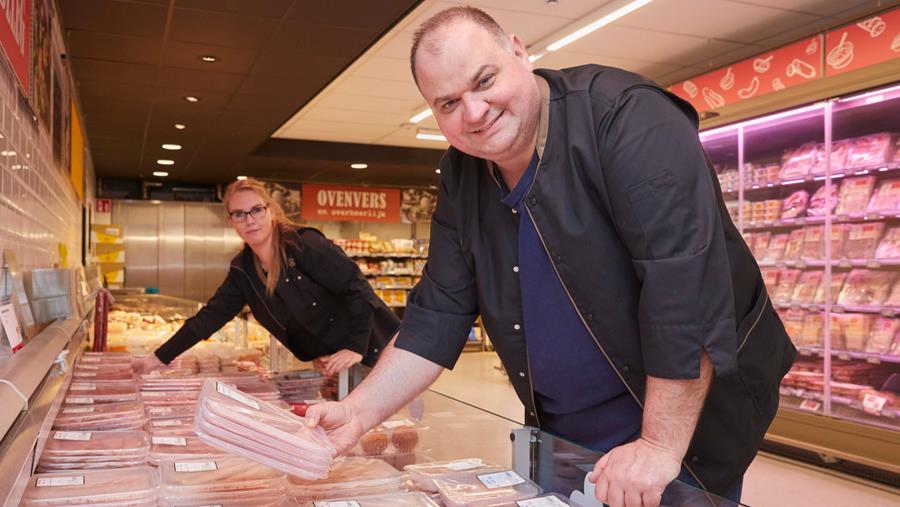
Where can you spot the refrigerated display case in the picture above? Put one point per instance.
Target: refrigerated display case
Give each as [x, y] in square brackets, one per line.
[815, 191]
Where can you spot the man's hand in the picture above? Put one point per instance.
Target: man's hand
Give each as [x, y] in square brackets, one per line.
[635, 474]
[340, 422]
[146, 364]
[340, 360]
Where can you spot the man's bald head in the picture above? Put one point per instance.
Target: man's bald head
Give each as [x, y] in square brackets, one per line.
[426, 36]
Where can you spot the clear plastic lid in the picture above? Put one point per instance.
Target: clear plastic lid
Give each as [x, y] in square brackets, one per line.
[228, 502]
[217, 474]
[72, 443]
[486, 489]
[350, 476]
[91, 487]
[548, 500]
[423, 474]
[413, 499]
[391, 437]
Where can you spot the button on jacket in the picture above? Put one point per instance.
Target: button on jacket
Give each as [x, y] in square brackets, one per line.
[322, 298]
[630, 214]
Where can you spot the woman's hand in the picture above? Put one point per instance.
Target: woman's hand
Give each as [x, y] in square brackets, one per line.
[340, 360]
[146, 364]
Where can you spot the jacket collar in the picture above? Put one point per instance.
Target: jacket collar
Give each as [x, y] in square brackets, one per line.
[542, 125]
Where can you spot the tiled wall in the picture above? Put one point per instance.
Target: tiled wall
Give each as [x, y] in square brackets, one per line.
[39, 209]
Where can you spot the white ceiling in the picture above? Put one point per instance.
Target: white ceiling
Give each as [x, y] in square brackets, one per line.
[667, 40]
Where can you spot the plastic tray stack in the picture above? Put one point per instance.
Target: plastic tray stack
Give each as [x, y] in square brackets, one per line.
[349, 477]
[214, 481]
[423, 475]
[170, 447]
[134, 487]
[414, 499]
[299, 386]
[486, 489]
[93, 450]
[128, 415]
[242, 424]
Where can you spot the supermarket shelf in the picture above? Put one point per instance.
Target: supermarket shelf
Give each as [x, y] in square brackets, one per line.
[847, 355]
[388, 256]
[887, 311]
[837, 219]
[852, 408]
[842, 263]
[395, 273]
[799, 181]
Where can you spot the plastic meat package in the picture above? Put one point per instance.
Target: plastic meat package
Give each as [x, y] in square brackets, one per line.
[794, 244]
[102, 391]
[854, 195]
[889, 248]
[424, 474]
[793, 324]
[856, 328]
[241, 424]
[869, 151]
[787, 279]
[171, 447]
[103, 416]
[866, 287]
[807, 286]
[228, 502]
[350, 477]
[795, 205]
[416, 499]
[820, 204]
[813, 331]
[127, 486]
[487, 489]
[862, 239]
[799, 162]
[777, 245]
[839, 151]
[886, 198]
[813, 243]
[837, 283]
[894, 298]
[226, 477]
[399, 436]
[884, 332]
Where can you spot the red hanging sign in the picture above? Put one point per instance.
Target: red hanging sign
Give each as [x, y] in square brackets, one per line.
[776, 70]
[867, 42]
[333, 202]
[15, 37]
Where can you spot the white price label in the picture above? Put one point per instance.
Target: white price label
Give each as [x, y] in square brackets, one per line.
[80, 374]
[811, 405]
[500, 479]
[83, 387]
[90, 359]
[179, 441]
[72, 435]
[166, 422]
[873, 404]
[236, 395]
[195, 466]
[544, 501]
[339, 503]
[464, 464]
[77, 400]
[78, 410]
[11, 327]
[44, 482]
[161, 410]
[397, 424]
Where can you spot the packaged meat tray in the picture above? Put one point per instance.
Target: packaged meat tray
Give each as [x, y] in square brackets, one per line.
[232, 474]
[823, 203]
[93, 443]
[760, 244]
[813, 243]
[102, 392]
[228, 502]
[894, 297]
[795, 205]
[416, 499]
[787, 279]
[349, 477]
[884, 332]
[242, 424]
[173, 412]
[799, 162]
[806, 287]
[837, 283]
[862, 239]
[487, 489]
[770, 278]
[855, 194]
[127, 486]
[424, 474]
[886, 198]
[793, 324]
[866, 287]
[839, 152]
[398, 436]
[869, 152]
[166, 447]
[813, 332]
[889, 248]
[777, 245]
[856, 328]
[794, 244]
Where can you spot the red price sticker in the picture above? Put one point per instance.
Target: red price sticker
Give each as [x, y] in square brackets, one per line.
[811, 405]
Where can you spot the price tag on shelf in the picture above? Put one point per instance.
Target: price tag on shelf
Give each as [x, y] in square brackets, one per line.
[89, 359]
[44, 482]
[811, 405]
[845, 264]
[236, 395]
[873, 404]
[873, 360]
[500, 479]
[80, 436]
[805, 352]
[544, 501]
[889, 312]
[83, 387]
[844, 356]
[800, 221]
[195, 466]
[800, 264]
[837, 309]
[11, 327]
[873, 264]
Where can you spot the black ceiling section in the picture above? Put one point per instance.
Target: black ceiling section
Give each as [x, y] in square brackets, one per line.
[134, 61]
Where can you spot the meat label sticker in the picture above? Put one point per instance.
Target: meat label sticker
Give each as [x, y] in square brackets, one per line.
[78, 410]
[873, 404]
[544, 501]
[236, 395]
[179, 441]
[161, 410]
[83, 387]
[44, 482]
[90, 359]
[93, 374]
[195, 466]
[397, 424]
[77, 400]
[167, 422]
[341, 503]
[500, 479]
[72, 435]
[464, 464]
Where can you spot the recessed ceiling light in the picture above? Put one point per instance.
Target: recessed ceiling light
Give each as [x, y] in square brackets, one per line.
[437, 171]
[191, 98]
[160, 174]
[358, 166]
[165, 161]
[241, 178]
[172, 147]
[180, 126]
[209, 58]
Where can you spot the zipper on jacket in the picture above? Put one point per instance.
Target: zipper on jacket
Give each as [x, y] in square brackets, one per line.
[261, 299]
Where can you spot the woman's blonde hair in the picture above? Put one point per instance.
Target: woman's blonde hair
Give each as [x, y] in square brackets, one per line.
[280, 225]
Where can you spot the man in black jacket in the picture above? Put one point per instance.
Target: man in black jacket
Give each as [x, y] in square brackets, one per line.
[579, 217]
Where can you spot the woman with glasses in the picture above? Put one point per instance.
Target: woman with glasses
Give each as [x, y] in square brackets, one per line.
[300, 286]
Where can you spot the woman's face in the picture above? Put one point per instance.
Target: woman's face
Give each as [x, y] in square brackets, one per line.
[253, 230]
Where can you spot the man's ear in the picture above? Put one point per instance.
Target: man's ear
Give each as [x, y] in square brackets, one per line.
[519, 51]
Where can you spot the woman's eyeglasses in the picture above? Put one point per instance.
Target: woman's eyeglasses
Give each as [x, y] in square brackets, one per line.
[257, 212]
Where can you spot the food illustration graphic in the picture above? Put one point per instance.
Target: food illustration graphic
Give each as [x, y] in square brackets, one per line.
[713, 99]
[813, 46]
[895, 44]
[841, 55]
[777, 84]
[800, 68]
[762, 65]
[727, 81]
[750, 90]
[874, 26]
[690, 88]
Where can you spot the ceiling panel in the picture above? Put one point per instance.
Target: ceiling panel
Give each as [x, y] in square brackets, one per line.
[349, 13]
[112, 47]
[115, 17]
[265, 8]
[222, 29]
[187, 55]
[321, 40]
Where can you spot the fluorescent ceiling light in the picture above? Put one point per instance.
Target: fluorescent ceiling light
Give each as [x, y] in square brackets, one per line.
[172, 147]
[165, 161]
[600, 23]
[430, 135]
[536, 57]
[241, 178]
[160, 174]
[180, 126]
[358, 166]
[421, 116]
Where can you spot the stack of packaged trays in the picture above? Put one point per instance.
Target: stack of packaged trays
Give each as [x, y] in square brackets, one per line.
[270, 502]
[486, 489]
[424, 474]
[248, 426]
[213, 481]
[396, 442]
[101, 391]
[415, 499]
[349, 477]
[90, 371]
[299, 386]
[134, 487]
[92, 450]
[88, 416]
[171, 447]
